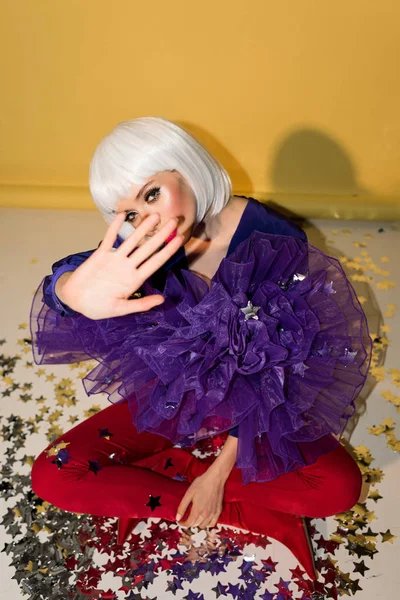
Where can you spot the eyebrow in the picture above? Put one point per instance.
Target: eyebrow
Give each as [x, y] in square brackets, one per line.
[127, 210]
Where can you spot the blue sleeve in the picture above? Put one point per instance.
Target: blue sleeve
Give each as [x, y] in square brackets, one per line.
[69, 263]
[235, 431]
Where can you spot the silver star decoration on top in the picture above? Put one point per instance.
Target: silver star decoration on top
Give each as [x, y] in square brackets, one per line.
[299, 277]
[250, 311]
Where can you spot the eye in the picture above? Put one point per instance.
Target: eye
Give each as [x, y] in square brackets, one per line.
[155, 191]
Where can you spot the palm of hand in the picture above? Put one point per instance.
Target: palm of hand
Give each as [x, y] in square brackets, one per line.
[100, 287]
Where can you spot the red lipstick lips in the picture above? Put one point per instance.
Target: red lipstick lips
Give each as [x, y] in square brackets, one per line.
[171, 237]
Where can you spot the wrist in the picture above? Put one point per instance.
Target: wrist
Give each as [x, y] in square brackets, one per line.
[225, 461]
[59, 286]
[218, 472]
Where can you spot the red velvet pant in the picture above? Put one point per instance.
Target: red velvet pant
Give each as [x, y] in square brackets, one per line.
[109, 469]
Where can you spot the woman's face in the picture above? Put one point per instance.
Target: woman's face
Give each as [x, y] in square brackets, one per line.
[166, 193]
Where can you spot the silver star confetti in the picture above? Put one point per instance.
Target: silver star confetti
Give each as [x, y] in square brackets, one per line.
[250, 311]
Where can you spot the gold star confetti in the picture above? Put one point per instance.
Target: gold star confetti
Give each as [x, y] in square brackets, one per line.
[50, 377]
[363, 278]
[395, 373]
[34, 428]
[8, 380]
[54, 450]
[377, 430]
[71, 401]
[375, 496]
[23, 326]
[54, 432]
[40, 372]
[392, 442]
[42, 507]
[388, 537]
[362, 452]
[29, 460]
[375, 476]
[362, 299]
[92, 410]
[35, 528]
[29, 566]
[384, 259]
[54, 416]
[386, 285]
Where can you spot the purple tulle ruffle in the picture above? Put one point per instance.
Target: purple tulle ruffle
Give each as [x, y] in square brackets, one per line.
[279, 345]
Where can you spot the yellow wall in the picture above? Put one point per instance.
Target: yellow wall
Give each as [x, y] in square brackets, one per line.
[299, 100]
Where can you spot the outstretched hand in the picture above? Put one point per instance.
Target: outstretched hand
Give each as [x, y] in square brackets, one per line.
[100, 287]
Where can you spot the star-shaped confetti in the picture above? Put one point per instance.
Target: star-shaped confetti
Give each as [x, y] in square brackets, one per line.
[154, 502]
[104, 433]
[94, 466]
[54, 450]
[360, 568]
[250, 311]
[388, 537]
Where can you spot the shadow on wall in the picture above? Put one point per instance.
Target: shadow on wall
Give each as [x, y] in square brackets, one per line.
[308, 161]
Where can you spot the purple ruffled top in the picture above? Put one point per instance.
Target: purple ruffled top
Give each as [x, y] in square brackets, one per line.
[278, 345]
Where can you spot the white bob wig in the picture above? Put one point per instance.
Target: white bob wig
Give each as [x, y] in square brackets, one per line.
[138, 149]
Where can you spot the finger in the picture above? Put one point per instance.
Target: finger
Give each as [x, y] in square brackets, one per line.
[159, 258]
[128, 307]
[211, 521]
[134, 238]
[150, 246]
[112, 232]
[191, 520]
[188, 522]
[184, 503]
[199, 522]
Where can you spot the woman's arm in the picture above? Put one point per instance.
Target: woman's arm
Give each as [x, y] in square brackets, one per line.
[225, 461]
[207, 491]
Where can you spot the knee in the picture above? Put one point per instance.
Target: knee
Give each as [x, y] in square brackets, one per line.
[346, 481]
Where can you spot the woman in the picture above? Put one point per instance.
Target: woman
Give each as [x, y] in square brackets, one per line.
[205, 312]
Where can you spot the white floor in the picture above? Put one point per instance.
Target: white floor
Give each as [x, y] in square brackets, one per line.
[32, 409]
